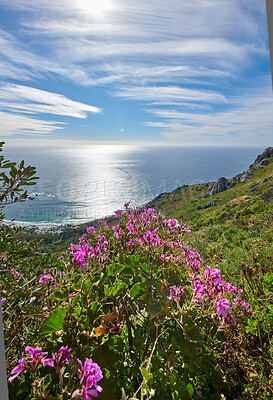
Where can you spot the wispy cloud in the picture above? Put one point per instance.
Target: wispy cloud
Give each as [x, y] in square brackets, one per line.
[17, 99]
[168, 94]
[31, 100]
[249, 118]
[184, 56]
[12, 124]
[173, 34]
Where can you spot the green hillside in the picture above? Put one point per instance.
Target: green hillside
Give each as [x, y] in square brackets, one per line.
[146, 307]
[237, 232]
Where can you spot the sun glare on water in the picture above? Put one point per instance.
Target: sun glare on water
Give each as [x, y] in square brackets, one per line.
[96, 8]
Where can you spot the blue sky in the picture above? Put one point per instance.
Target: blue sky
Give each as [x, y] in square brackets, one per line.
[178, 71]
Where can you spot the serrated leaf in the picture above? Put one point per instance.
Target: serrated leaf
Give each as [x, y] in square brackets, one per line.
[119, 286]
[54, 322]
[136, 290]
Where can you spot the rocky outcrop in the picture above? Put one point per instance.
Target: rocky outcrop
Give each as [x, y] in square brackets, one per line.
[212, 203]
[259, 163]
[220, 185]
[268, 153]
[244, 177]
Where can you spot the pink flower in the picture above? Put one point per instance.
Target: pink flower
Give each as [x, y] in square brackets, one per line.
[90, 229]
[61, 358]
[173, 223]
[245, 307]
[223, 308]
[130, 227]
[152, 238]
[87, 392]
[118, 213]
[46, 277]
[31, 363]
[90, 369]
[89, 376]
[117, 230]
[176, 292]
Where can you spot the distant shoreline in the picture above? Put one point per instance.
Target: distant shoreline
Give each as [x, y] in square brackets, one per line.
[51, 227]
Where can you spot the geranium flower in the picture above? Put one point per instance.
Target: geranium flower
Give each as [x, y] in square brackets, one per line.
[222, 308]
[90, 374]
[61, 358]
[46, 277]
[31, 363]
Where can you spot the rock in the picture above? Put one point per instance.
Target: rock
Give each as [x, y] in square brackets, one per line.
[212, 203]
[244, 177]
[264, 162]
[220, 185]
[268, 153]
[259, 163]
[255, 184]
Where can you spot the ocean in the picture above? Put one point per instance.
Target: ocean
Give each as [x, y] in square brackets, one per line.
[83, 183]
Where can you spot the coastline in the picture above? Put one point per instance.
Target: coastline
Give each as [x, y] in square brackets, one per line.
[50, 227]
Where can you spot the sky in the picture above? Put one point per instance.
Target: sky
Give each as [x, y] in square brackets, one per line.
[187, 72]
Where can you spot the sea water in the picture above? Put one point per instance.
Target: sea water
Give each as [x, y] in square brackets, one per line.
[86, 182]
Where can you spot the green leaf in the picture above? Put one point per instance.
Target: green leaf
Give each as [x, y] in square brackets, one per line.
[146, 374]
[93, 307]
[77, 311]
[55, 321]
[190, 389]
[111, 269]
[144, 267]
[154, 309]
[8, 165]
[136, 290]
[117, 288]
[59, 295]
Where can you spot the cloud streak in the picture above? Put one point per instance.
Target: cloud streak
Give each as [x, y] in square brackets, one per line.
[250, 117]
[167, 94]
[175, 58]
[31, 100]
[17, 99]
[15, 124]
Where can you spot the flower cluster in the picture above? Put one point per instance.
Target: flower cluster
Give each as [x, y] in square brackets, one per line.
[210, 286]
[140, 230]
[89, 376]
[176, 293]
[31, 363]
[61, 358]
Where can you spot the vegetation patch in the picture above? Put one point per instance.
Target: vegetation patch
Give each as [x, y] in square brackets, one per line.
[145, 306]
